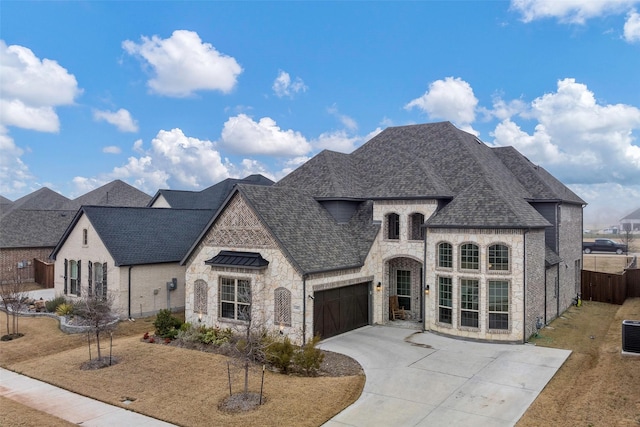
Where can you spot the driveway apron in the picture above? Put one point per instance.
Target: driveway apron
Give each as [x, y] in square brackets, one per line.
[423, 379]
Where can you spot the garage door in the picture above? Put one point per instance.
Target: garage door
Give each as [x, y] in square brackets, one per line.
[339, 310]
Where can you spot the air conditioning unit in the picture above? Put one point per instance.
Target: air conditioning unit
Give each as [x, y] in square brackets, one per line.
[631, 337]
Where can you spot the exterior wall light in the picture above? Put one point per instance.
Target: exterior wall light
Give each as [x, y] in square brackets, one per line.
[199, 317]
[426, 290]
[379, 286]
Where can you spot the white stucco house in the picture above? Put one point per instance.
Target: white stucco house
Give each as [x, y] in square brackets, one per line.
[475, 241]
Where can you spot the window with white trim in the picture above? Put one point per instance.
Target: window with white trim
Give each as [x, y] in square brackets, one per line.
[74, 277]
[469, 302]
[498, 258]
[445, 300]
[235, 298]
[498, 304]
[469, 257]
[445, 255]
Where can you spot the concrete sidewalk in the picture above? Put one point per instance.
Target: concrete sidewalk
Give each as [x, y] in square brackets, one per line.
[423, 379]
[67, 405]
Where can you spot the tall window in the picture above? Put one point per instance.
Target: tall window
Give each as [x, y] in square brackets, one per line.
[469, 302]
[235, 298]
[498, 304]
[97, 275]
[445, 299]
[74, 277]
[393, 226]
[469, 257]
[200, 296]
[417, 231]
[445, 255]
[282, 309]
[85, 238]
[403, 287]
[498, 258]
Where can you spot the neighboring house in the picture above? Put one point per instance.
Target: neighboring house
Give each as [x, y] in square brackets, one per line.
[631, 222]
[206, 199]
[31, 226]
[474, 241]
[131, 253]
[135, 253]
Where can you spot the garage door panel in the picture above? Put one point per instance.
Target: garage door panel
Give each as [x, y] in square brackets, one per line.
[341, 309]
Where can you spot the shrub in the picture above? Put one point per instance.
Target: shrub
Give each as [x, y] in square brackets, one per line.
[52, 305]
[215, 335]
[166, 324]
[64, 309]
[280, 353]
[309, 358]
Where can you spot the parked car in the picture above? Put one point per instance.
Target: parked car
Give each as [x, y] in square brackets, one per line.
[604, 245]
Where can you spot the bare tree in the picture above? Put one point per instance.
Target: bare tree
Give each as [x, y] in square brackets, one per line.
[96, 311]
[627, 235]
[13, 294]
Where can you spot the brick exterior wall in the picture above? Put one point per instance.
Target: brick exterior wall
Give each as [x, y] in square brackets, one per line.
[534, 281]
[570, 237]
[11, 257]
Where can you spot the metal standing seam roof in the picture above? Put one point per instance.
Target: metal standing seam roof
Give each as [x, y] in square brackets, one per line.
[252, 260]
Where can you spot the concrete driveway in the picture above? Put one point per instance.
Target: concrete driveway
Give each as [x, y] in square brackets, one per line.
[423, 379]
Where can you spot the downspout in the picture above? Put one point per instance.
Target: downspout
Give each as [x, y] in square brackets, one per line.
[129, 296]
[545, 295]
[557, 293]
[304, 308]
[524, 288]
[423, 308]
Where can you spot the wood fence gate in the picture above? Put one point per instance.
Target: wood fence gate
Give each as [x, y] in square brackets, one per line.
[608, 287]
[43, 273]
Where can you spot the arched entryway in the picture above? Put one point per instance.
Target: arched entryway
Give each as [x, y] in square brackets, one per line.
[404, 278]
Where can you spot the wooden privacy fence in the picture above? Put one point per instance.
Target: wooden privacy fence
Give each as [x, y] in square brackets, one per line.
[608, 287]
[43, 273]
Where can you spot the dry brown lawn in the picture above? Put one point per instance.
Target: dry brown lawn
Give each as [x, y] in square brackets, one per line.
[177, 385]
[597, 385]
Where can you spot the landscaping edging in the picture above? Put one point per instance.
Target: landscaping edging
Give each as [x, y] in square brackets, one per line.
[63, 321]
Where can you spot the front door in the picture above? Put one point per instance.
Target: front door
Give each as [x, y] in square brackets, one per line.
[403, 288]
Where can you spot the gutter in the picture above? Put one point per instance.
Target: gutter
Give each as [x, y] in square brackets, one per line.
[524, 288]
[424, 287]
[129, 296]
[304, 308]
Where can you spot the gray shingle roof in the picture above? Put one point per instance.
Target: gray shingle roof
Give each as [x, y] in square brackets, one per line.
[209, 198]
[135, 235]
[43, 199]
[310, 237]
[25, 228]
[115, 193]
[633, 215]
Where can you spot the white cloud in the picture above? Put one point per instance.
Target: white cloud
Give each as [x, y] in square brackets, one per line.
[569, 11]
[632, 27]
[174, 160]
[121, 119]
[450, 99]
[30, 88]
[577, 139]
[607, 202]
[348, 122]
[14, 174]
[337, 141]
[112, 149]
[243, 135]
[283, 86]
[183, 64]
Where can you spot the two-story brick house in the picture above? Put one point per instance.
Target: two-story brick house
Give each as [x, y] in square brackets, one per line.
[474, 241]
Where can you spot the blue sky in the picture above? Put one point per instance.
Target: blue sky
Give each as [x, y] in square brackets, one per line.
[183, 94]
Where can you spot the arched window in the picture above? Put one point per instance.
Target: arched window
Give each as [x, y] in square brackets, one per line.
[416, 231]
[393, 226]
[200, 295]
[498, 258]
[469, 257]
[282, 309]
[445, 255]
